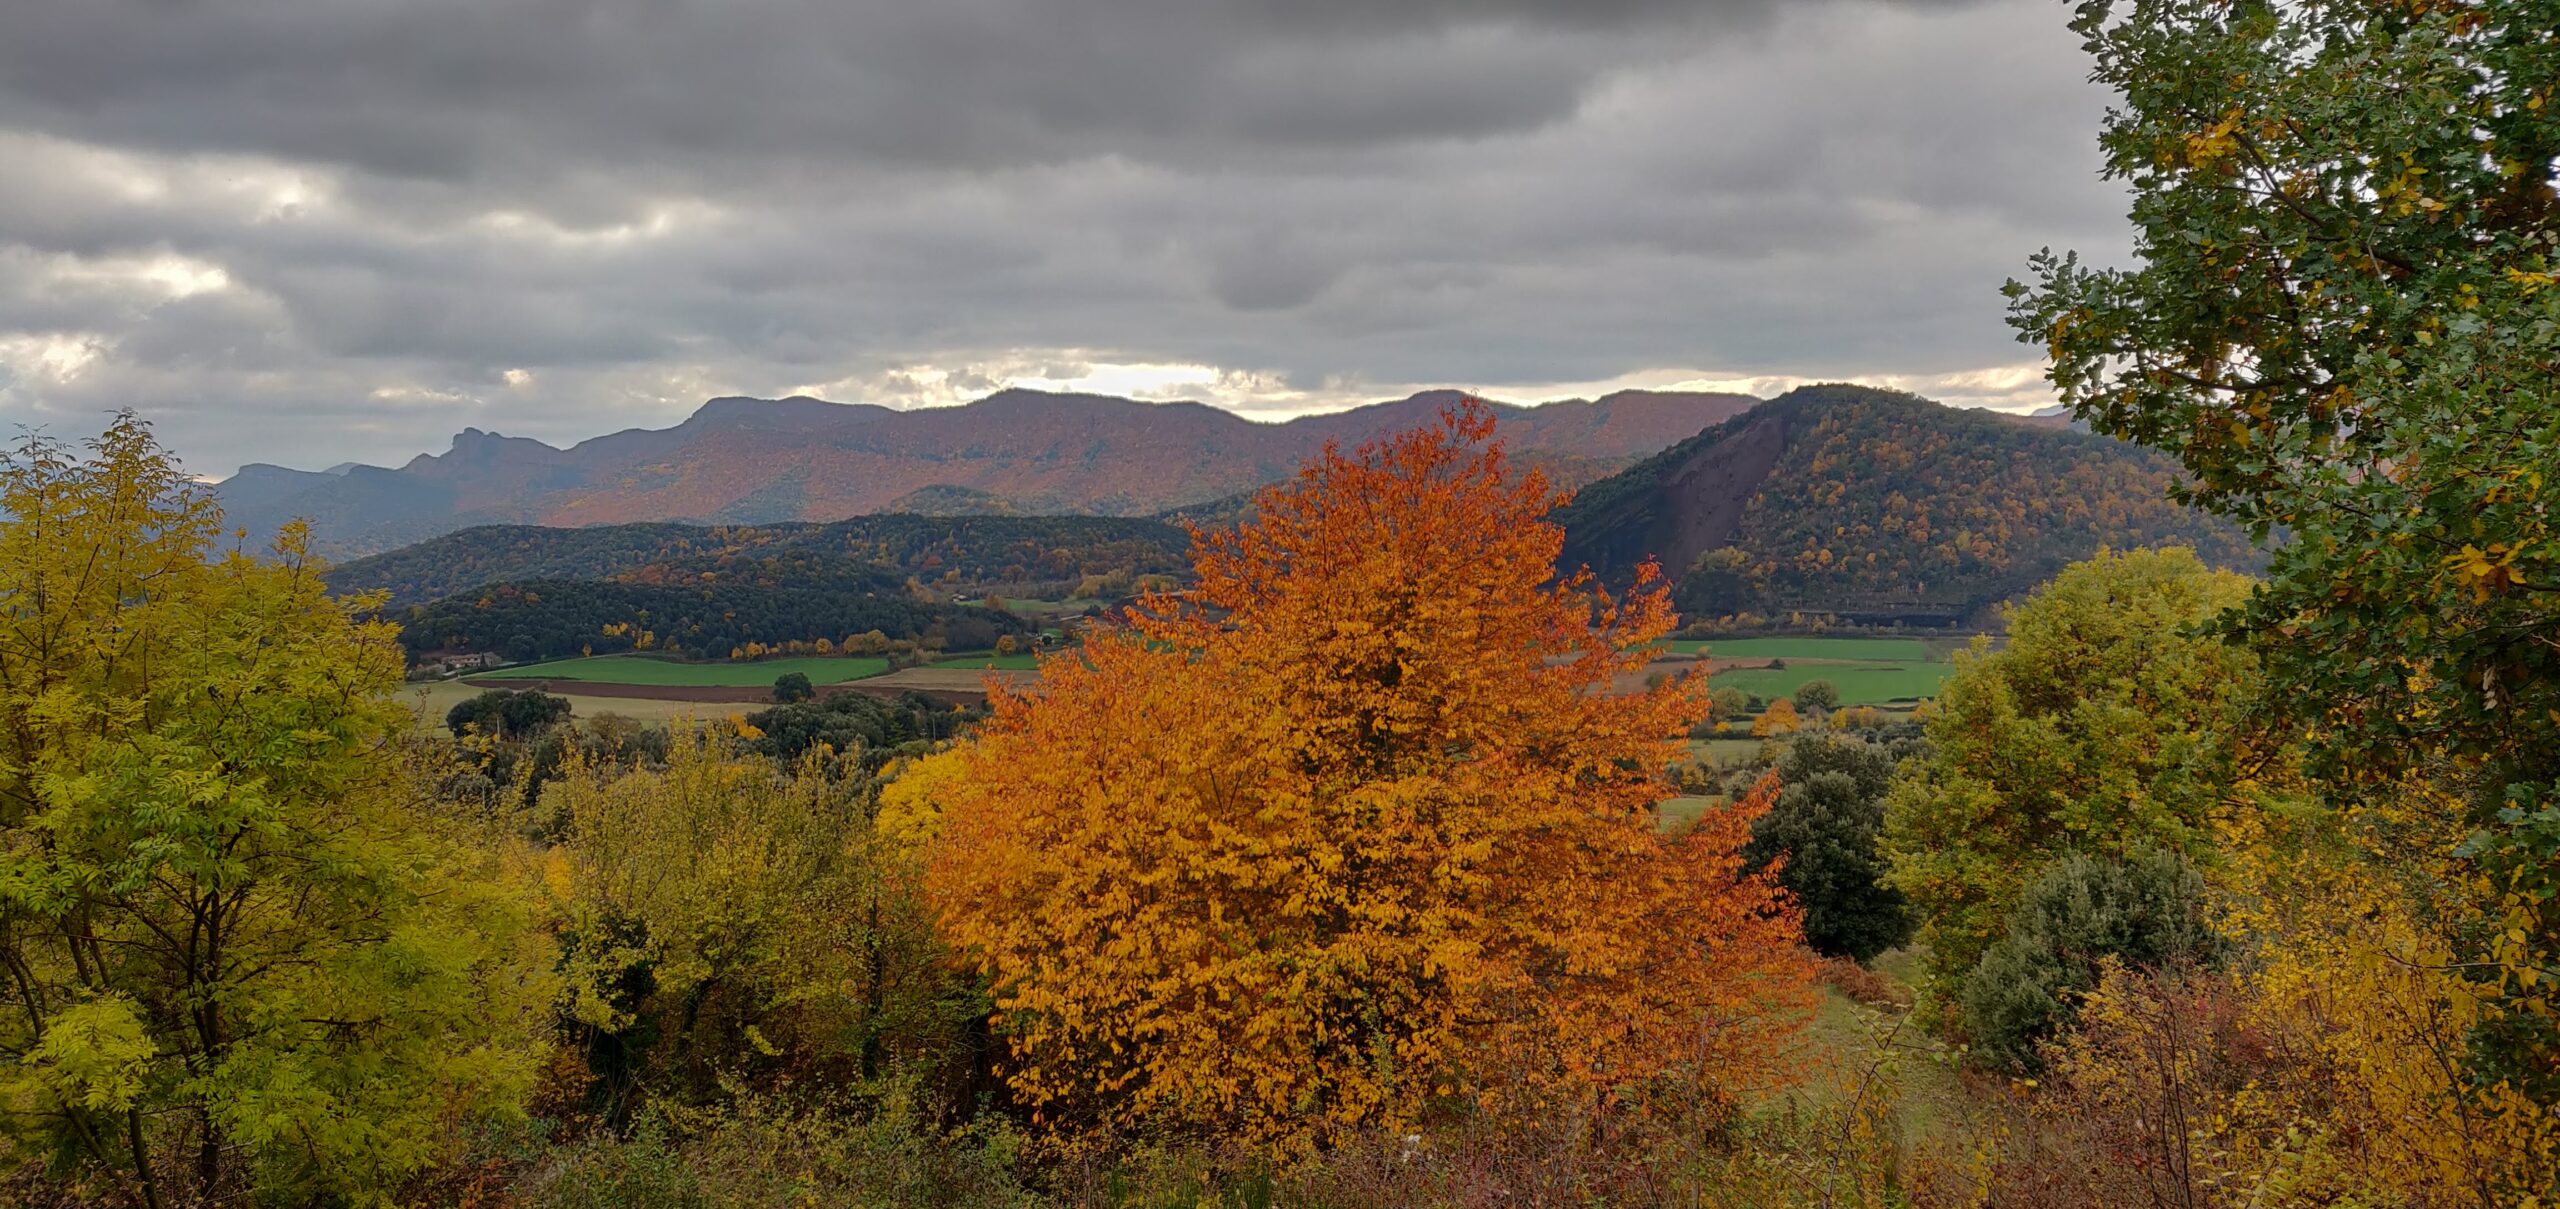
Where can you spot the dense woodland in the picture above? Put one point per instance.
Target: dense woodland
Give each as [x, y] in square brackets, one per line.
[708, 618]
[1349, 878]
[1849, 500]
[1034, 556]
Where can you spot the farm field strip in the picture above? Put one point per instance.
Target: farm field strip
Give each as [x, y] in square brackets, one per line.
[1898, 650]
[433, 701]
[1859, 684]
[1867, 671]
[642, 670]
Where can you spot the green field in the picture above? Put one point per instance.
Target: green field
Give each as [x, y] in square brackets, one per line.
[1676, 814]
[1867, 671]
[1911, 650]
[642, 669]
[1859, 683]
[1725, 752]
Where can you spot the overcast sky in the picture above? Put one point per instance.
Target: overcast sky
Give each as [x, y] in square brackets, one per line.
[308, 231]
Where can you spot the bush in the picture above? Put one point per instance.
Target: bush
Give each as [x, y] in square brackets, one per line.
[758, 1156]
[507, 713]
[1825, 823]
[791, 687]
[1817, 696]
[856, 722]
[2144, 912]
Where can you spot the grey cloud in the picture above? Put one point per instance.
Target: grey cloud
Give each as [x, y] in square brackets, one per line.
[637, 206]
[482, 89]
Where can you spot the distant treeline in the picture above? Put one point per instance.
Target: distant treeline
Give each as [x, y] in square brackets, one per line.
[1012, 555]
[552, 618]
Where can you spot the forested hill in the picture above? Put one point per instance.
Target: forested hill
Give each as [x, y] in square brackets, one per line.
[1851, 500]
[1021, 555]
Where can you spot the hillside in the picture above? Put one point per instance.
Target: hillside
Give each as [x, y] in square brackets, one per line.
[1866, 502]
[1019, 555]
[756, 461]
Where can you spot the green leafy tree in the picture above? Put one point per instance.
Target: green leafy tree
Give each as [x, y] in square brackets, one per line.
[1829, 810]
[1817, 696]
[2104, 725]
[791, 687]
[2145, 911]
[238, 962]
[733, 921]
[2344, 318]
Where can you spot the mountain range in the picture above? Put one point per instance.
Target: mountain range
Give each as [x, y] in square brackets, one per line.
[751, 461]
[1833, 499]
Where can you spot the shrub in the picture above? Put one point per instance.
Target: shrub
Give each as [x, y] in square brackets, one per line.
[2076, 920]
[791, 687]
[2108, 724]
[1862, 984]
[759, 1156]
[1825, 823]
[507, 713]
[1814, 696]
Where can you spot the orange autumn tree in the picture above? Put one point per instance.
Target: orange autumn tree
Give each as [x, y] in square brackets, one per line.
[1359, 830]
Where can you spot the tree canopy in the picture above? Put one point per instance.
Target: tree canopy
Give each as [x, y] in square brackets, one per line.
[1349, 832]
[2344, 319]
[2105, 724]
[240, 959]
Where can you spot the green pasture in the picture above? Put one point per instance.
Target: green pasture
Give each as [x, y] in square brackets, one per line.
[1912, 650]
[1867, 671]
[1725, 752]
[1676, 814]
[1859, 683]
[642, 669]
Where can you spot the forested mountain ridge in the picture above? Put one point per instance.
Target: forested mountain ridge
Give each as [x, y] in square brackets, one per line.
[1853, 500]
[525, 620]
[754, 461]
[1017, 553]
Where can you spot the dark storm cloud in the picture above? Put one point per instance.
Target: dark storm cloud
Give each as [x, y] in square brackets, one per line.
[360, 225]
[469, 89]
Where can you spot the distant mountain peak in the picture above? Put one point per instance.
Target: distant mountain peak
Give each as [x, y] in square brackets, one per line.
[745, 460]
[789, 411]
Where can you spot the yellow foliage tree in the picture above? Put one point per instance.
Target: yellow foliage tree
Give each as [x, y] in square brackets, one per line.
[1357, 829]
[1779, 719]
[740, 914]
[243, 964]
[2332, 1064]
